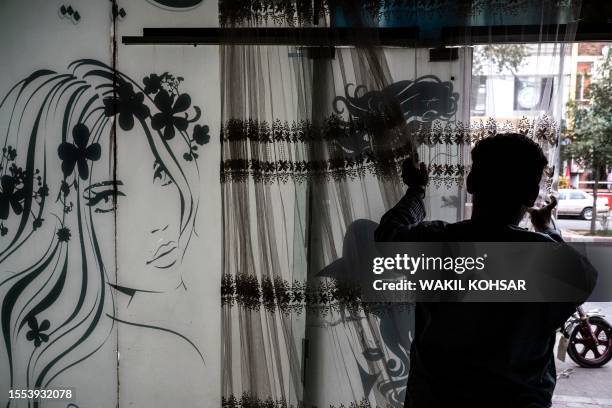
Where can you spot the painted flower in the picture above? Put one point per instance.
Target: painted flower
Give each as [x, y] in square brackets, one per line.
[9, 152]
[168, 108]
[78, 153]
[64, 234]
[43, 191]
[36, 332]
[9, 198]
[200, 134]
[127, 104]
[152, 83]
[65, 188]
[37, 223]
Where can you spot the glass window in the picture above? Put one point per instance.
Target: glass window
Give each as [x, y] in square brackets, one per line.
[583, 80]
[576, 195]
[478, 97]
[533, 92]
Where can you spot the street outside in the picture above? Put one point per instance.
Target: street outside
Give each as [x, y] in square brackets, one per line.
[584, 387]
[576, 224]
[577, 386]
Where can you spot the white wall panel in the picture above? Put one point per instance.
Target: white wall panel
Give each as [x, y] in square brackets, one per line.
[56, 255]
[169, 334]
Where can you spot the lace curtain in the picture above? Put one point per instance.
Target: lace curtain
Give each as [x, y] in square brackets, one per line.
[312, 143]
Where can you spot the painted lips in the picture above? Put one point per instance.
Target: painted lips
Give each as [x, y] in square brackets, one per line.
[163, 254]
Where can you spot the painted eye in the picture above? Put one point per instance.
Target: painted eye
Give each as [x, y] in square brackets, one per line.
[103, 196]
[161, 173]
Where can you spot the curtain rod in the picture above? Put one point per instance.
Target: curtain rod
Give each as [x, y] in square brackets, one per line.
[388, 36]
[306, 36]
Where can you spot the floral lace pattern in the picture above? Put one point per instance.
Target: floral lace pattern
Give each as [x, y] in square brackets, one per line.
[350, 151]
[279, 295]
[544, 130]
[250, 401]
[299, 12]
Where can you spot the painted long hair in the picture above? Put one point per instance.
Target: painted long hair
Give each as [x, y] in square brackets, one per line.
[425, 99]
[58, 129]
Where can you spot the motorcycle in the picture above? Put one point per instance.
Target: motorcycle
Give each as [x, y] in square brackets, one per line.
[587, 339]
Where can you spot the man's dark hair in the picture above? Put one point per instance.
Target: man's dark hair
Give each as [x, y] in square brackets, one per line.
[510, 164]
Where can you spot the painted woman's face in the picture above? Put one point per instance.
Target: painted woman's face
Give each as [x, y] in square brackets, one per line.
[148, 218]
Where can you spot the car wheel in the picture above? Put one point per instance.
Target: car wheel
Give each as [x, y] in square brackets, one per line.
[587, 214]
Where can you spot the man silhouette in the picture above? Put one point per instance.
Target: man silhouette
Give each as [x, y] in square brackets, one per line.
[476, 354]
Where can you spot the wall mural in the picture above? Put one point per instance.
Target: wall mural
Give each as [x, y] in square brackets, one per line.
[383, 366]
[117, 12]
[348, 132]
[70, 13]
[423, 100]
[59, 194]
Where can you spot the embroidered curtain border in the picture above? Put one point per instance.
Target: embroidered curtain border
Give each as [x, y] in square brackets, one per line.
[383, 163]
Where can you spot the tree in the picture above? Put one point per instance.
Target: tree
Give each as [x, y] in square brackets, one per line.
[590, 130]
[505, 57]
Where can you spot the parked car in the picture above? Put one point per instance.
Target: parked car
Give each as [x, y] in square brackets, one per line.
[578, 202]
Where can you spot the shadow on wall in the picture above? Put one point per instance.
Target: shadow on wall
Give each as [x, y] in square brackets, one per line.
[385, 372]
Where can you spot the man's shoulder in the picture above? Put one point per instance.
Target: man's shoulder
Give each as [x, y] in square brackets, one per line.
[529, 236]
[469, 231]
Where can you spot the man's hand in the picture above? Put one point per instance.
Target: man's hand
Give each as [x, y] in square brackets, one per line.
[414, 176]
[541, 217]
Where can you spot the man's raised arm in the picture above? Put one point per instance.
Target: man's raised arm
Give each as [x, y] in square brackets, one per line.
[404, 222]
[403, 217]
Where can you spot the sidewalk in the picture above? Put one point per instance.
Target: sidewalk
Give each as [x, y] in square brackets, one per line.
[564, 401]
[579, 387]
[571, 236]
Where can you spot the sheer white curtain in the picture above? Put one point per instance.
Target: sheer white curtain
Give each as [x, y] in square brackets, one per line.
[312, 143]
[311, 158]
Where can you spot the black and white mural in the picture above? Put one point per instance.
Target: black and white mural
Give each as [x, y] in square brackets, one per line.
[424, 99]
[60, 190]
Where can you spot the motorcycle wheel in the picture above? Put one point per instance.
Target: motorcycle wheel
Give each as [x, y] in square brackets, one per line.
[583, 350]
